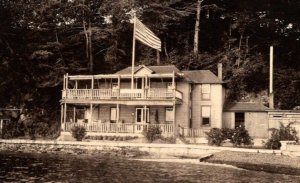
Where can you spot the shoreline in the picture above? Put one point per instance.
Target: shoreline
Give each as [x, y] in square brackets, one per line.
[244, 159]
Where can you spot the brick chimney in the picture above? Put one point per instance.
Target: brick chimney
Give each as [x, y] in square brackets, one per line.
[220, 71]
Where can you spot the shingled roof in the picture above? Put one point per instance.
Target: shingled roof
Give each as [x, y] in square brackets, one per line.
[245, 107]
[166, 69]
[201, 76]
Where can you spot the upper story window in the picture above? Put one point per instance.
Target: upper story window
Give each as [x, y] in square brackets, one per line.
[205, 92]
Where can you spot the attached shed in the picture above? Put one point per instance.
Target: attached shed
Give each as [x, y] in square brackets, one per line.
[253, 115]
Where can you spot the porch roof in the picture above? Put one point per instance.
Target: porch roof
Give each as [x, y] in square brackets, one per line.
[244, 107]
[201, 77]
[161, 69]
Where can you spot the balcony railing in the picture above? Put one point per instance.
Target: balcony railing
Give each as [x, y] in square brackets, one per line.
[96, 94]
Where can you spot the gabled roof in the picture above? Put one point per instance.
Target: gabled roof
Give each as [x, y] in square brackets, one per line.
[201, 77]
[245, 107]
[166, 69]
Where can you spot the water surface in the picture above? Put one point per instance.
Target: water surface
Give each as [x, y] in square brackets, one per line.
[30, 167]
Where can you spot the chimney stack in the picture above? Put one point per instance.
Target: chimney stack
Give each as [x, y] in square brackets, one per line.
[220, 71]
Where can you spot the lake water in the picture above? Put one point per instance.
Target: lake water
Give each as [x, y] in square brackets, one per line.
[29, 167]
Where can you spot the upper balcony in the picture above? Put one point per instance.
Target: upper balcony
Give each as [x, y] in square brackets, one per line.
[122, 94]
[154, 88]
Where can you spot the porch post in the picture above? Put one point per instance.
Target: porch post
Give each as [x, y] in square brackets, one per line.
[91, 112]
[118, 113]
[92, 83]
[76, 84]
[174, 121]
[92, 87]
[67, 77]
[147, 87]
[62, 116]
[65, 114]
[119, 85]
[173, 84]
[145, 114]
[74, 114]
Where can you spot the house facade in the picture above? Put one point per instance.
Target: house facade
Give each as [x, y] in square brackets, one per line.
[179, 102]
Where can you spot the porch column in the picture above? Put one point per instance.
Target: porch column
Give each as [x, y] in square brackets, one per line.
[119, 85]
[145, 115]
[147, 87]
[91, 112]
[65, 114]
[67, 78]
[74, 114]
[76, 84]
[118, 113]
[92, 87]
[174, 121]
[173, 84]
[62, 116]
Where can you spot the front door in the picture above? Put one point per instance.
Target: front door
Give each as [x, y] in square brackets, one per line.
[141, 118]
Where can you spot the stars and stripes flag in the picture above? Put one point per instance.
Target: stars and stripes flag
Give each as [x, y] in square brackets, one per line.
[146, 36]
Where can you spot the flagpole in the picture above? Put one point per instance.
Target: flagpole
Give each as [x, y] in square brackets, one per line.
[133, 52]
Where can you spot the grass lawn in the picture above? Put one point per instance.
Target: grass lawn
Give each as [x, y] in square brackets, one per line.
[260, 162]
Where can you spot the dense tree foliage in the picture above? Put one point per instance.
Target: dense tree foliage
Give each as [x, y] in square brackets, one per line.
[40, 40]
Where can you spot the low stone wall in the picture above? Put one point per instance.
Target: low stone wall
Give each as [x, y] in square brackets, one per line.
[291, 149]
[121, 147]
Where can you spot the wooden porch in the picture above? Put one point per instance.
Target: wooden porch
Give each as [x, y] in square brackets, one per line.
[113, 94]
[167, 129]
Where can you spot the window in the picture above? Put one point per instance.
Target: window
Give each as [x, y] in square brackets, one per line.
[205, 113]
[113, 114]
[239, 119]
[205, 93]
[169, 114]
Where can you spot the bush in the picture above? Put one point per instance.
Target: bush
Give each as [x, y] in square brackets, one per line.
[237, 136]
[152, 133]
[215, 136]
[241, 136]
[78, 132]
[274, 141]
[287, 133]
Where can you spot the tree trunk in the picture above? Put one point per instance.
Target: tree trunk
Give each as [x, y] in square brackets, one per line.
[88, 45]
[157, 57]
[197, 28]
[91, 62]
[165, 49]
[86, 41]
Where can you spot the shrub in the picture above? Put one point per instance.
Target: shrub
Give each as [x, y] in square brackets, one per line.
[215, 136]
[152, 133]
[274, 141]
[78, 132]
[283, 133]
[227, 132]
[241, 136]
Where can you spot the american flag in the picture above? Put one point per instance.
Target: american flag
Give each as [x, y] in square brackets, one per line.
[146, 36]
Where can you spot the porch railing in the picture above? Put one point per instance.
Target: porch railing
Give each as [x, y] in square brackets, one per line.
[152, 93]
[118, 127]
[191, 132]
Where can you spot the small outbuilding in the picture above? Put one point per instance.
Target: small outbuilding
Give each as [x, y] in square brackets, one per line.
[253, 115]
